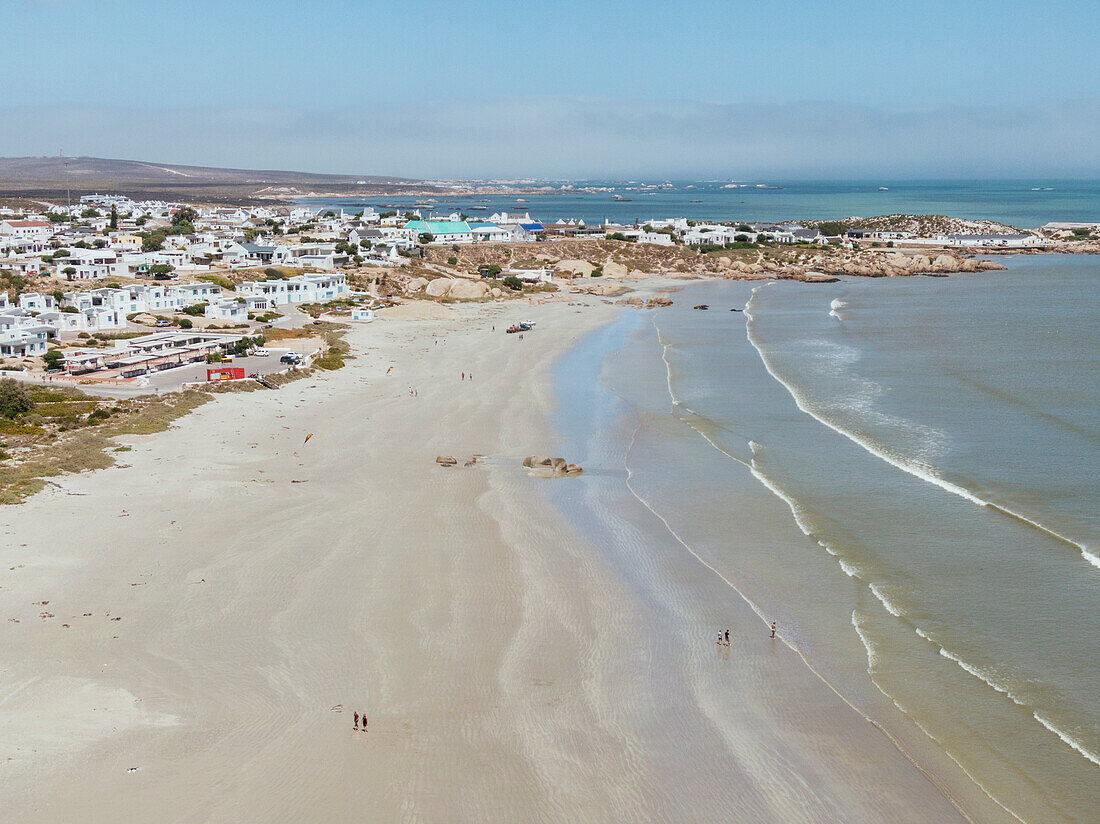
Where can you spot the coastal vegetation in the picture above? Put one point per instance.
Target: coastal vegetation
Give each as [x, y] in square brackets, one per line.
[52, 430]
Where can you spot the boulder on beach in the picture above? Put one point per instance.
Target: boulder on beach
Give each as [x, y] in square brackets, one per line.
[552, 466]
[657, 302]
[439, 287]
[446, 460]
[700, 306]
[615, 270]
[468, 290]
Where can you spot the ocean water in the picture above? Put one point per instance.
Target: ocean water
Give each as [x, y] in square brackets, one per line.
[1021, 203]
[905, 474]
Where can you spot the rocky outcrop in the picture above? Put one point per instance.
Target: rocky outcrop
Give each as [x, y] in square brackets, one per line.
[415, 285]
[439, 287]
[468, 290]
[637, 302]
[818, 277]
[457, 289]
[595, 287]
[575, 268]
[145, 319]
[615, 270]
[450, 460]
[552, 466]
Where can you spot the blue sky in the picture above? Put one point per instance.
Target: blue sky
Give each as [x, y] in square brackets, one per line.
[560, 89]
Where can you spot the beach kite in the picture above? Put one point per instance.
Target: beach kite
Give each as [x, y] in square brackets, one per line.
[389, 370]
[310, 435]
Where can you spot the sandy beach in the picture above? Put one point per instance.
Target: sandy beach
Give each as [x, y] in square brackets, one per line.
[186, 635]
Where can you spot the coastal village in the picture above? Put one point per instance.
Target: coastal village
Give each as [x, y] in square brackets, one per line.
[118, 289]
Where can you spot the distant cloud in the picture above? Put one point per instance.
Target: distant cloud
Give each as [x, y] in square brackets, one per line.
[566, 137]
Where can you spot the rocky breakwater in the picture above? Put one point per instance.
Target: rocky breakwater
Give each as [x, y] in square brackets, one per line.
[551, 467]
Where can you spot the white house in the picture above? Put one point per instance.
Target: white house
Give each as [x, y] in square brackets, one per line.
[227, 309]
[28, 229]
[90, 264]
[657, 238]
[22, 336]
[313, 288]
[34, 302]
[26, 266]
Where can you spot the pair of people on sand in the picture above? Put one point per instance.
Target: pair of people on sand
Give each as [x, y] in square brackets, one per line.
[364, 721]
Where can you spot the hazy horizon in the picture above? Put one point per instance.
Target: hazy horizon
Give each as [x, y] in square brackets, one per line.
[565, 91]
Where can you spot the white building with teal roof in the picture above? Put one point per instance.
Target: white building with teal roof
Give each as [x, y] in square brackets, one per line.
[443, 231]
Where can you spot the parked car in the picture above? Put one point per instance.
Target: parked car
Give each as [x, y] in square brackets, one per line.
[162, 323]
[291, 358]
[260, 353]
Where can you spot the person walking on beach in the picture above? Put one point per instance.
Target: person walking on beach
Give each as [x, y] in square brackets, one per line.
[357, 720]
[463, 376]
[773, 629]
[727, 637]
[364, 722]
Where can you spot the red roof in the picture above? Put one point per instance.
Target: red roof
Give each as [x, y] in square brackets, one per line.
[26, 223]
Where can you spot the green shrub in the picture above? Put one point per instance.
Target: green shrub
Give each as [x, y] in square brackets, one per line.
[185, 323]
[53, 359]
[514, 283]
[452, 261]
[195, 310]
[15, 398]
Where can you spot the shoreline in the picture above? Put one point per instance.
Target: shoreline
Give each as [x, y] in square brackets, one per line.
[351, 571]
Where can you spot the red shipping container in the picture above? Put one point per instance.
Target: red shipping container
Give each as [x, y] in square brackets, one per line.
[225, 373]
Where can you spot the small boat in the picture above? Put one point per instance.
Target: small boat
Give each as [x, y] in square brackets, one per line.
[620, 198]
[883, 189]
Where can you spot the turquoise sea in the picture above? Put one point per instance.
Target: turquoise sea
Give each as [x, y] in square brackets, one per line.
[904, 474]
[1022, 203]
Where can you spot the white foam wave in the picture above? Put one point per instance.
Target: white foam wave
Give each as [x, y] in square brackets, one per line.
[668, 364]
[988, 680]
[1095, 759]
[985, 678]
[836, 306]
[877, 591]
[796, 510]
[848, 569]
[910, 467]
[872, 656]
[918, 469]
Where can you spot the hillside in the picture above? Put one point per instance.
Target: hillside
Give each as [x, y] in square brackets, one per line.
[49, 177]
[922, 225]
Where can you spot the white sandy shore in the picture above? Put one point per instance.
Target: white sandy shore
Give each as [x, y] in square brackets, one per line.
[264, 583]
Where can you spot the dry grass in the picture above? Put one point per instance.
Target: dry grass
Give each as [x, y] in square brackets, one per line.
[64, 440]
